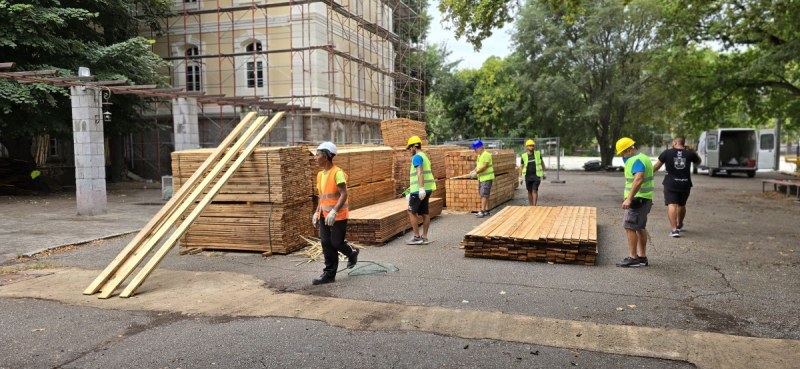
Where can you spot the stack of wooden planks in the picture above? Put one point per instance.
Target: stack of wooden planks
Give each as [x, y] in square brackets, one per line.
[396, 132]
[437, 154]
[462, 162]
[265, 206]
[369, 171]
[462, 192]
[379, 223]
[563, 234]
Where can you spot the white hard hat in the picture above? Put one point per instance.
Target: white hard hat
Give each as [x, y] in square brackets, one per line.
[327, 146]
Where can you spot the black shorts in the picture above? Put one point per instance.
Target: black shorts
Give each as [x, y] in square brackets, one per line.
[675, 197]
[417, 206]
[533, 185]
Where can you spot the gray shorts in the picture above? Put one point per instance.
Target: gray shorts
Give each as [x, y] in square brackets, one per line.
[485, 188]
[636, 219]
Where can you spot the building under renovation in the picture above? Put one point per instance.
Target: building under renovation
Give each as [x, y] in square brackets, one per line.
[336, 67]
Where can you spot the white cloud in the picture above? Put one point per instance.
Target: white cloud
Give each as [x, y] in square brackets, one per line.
[499, 44]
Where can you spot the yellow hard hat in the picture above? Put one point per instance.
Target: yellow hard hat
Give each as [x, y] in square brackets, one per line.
[414, 140]
[530, 143]
[623, 144]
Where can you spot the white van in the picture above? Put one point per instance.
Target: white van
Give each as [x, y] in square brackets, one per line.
[737, 150]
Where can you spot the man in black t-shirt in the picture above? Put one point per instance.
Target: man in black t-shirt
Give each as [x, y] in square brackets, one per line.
[678, 181]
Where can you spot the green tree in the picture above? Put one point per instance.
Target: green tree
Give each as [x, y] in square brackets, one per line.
[591, 73]
[64, 35]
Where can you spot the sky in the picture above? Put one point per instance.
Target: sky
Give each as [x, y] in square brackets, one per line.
[498, 45]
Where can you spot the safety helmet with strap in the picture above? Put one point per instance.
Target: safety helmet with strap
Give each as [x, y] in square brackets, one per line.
[413, 140]
[623, 144]
[530, 143]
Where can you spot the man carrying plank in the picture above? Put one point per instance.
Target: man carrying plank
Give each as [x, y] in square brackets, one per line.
[333, 212]
[532, 171]
[637, 200]
[484, 170]
[422, 184]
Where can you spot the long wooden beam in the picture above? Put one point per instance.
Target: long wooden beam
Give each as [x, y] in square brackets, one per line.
[181, 229]
[142, 251]
[177, 198]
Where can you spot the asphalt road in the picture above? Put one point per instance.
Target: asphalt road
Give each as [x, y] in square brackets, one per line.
[735, 271]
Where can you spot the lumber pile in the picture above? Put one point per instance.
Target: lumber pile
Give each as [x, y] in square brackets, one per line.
[462, 162]
[379, 223]
[270, 174]
[396, 132]
[369, 171]
[265, 206]
[462, 192]
[563, 234]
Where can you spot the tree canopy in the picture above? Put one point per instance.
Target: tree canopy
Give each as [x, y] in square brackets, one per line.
[65, 35]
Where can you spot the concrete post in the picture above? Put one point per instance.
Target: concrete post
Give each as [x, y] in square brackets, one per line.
[184, 117]
[90, 160]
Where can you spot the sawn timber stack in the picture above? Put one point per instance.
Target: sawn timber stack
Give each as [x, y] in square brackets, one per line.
[369, 172]
[397, 131]
[378, 223]
[265, 206]
[563, 234]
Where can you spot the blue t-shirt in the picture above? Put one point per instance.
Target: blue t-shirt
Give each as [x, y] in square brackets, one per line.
[638, 166]
[416, 160]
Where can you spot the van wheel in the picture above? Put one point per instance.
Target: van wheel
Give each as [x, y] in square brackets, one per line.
[712, 172]
[751, 174]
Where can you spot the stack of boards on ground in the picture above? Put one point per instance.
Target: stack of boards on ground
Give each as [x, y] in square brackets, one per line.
[377, 224]
[396, 132]
[563, 234]
[369, 172]
[462, 191]
[265, 206]
[401, 160]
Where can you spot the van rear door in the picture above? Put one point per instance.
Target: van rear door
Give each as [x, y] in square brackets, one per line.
[767, 146]
[712, 150]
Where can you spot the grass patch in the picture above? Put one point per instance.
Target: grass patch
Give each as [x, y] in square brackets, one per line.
[23, 267]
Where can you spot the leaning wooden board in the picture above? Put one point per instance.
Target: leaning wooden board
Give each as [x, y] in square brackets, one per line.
[564, 234]
[379, 223]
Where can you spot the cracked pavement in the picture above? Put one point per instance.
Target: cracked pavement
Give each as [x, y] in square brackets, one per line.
[734, 271]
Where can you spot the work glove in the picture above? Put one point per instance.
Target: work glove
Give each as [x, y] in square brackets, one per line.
[315, 219]
[473, 174]
[331, 218]
[422, 194]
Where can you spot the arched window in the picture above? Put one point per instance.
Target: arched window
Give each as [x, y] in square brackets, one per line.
[255, 70]
[193, 70]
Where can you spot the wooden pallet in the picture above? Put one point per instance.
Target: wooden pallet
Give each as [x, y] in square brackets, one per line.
[270, 174]
[459, 163]
[379, 223]
[396, 132]
[462, 192]
[563, 234]
[257, 226]
[197, 187]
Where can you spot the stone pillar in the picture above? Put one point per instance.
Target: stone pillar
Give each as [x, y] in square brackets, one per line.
[90, 160]
[184, 117]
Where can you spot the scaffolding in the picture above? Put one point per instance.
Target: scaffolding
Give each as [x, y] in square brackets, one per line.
[337, 67]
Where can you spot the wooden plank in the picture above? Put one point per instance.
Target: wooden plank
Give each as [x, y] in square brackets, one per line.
[142, 251]
[178, 197]
[170, 242]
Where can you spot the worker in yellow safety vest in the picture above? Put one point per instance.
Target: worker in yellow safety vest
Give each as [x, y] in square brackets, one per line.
[484, 170]
[637, 200]
[532, 171]
[421, 186]
[332, 213]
